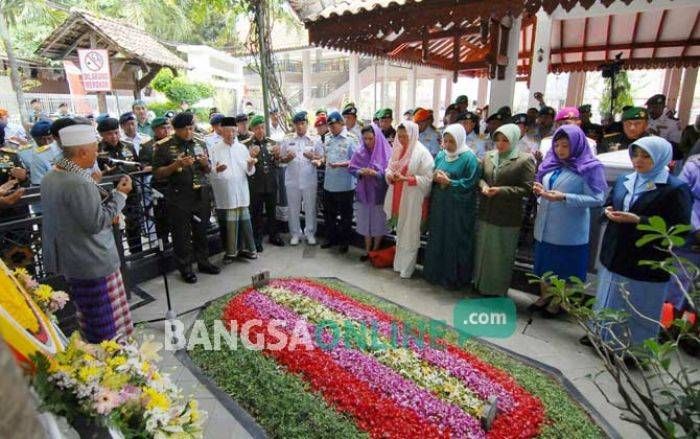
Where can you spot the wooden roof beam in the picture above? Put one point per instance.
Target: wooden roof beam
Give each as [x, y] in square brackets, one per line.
[416, 37]
[627, 46]
[635, 31]
[659, 30]
[692, 33]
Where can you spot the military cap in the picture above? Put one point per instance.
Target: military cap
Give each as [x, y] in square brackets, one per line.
[585, 108]
[567, 113]
[657, 99]
[102, 116]
[378, 114]
[320, 120]
[158, 122]
[467, 115]
[635, 113]
[335, 117]
[61, 123]
[410, 112]
[321, 111]
[386, 113]
[107, 124]
[251, 114]
[497, 116]
[138, 103]
[182, 120]
[505, 110]
[169, 114]
[241, 117]
[547, 111]
[421, 115]
[350, 109]
[215, 119]
[41, 128]
[256, 120]
[228, 121]
[451, 107]
[300, 116]
[626, 107]
[125, 117]
[520, 118]
[462, 99]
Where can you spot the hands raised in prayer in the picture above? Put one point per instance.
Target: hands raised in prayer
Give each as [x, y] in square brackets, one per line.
[124, 186]
[539, 190]
[220, 167]
[489, 191]
[184, 161]
[254, 151]
[441, 178]
[621, 217]
[367, 172]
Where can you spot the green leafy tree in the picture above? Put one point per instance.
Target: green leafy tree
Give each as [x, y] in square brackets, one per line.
[623, 97]
[162, 80]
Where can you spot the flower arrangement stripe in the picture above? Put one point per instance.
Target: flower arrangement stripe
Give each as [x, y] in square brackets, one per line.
[456, 366]
[402, 360]
[527, 410]
[529, 413]
[381, 378]
[376, 414]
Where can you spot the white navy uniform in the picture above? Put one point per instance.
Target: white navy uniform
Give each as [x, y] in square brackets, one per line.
[301, 182]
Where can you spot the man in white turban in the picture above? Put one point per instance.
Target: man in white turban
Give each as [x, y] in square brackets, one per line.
[77, 238]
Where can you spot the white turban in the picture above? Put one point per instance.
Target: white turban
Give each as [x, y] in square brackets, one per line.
[77, 135]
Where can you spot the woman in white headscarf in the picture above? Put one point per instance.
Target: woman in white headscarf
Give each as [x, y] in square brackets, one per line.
[449, 256]
[410, 175]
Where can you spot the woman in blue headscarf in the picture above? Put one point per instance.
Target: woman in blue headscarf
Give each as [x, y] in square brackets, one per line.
[569, 182]
[649, 191]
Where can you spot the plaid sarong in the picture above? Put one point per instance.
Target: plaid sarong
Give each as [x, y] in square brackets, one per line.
[101, 307]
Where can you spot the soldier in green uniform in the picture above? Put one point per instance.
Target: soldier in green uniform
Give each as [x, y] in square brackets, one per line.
[181, 161]
[634, 126]
[263, 184]
[110, 148]
[386, 118]
[161, 128]
[14, 243]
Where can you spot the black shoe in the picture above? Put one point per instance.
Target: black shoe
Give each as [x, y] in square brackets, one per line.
[208, 268]
[276, 240]
[248, 255]
[343, 249]
[327, 244]
[229, 259]
[364, 258]
[586, 341]
[258, 248]
[189, 277]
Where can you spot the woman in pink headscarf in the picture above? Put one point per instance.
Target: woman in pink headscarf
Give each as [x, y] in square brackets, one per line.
[410, 176]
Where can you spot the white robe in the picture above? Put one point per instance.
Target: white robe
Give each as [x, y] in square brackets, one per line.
[230, 186]
[410, 209]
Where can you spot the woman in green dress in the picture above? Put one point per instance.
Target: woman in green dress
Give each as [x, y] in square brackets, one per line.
[507, 176]
[449, 256]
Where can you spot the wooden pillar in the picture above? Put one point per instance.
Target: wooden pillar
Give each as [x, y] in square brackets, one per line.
[412, 80]
[672, 85]
[355, 78]
[540, 56]
[482, 96]
[306, 78]
[503, 90]
[448, 91]
[398, 110]
[690, 79]
[437, 89]
[574, 90]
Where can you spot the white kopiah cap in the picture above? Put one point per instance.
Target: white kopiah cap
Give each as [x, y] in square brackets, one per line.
[77, 135]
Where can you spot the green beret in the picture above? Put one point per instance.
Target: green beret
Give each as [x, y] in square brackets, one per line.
[378, 114]
[321, 110]
[158, 122]
[635, 113]
[386, 112]
[256, 120]
[462, 99]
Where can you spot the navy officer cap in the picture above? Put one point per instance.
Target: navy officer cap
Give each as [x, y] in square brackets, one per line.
[335, 117]
[183, 119]
[300, 116]
[520, 118]
[129, 115]
[241, 117]
[41, 128]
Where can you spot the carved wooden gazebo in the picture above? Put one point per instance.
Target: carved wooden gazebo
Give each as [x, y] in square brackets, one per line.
[135, 56]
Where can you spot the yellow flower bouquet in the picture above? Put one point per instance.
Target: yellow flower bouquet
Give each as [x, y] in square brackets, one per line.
[115, 385]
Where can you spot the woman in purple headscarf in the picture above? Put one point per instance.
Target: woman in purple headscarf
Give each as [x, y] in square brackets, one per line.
[368, 165]
[570, 181]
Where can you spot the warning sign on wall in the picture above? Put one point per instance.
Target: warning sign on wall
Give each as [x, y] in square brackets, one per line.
[94, 67]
